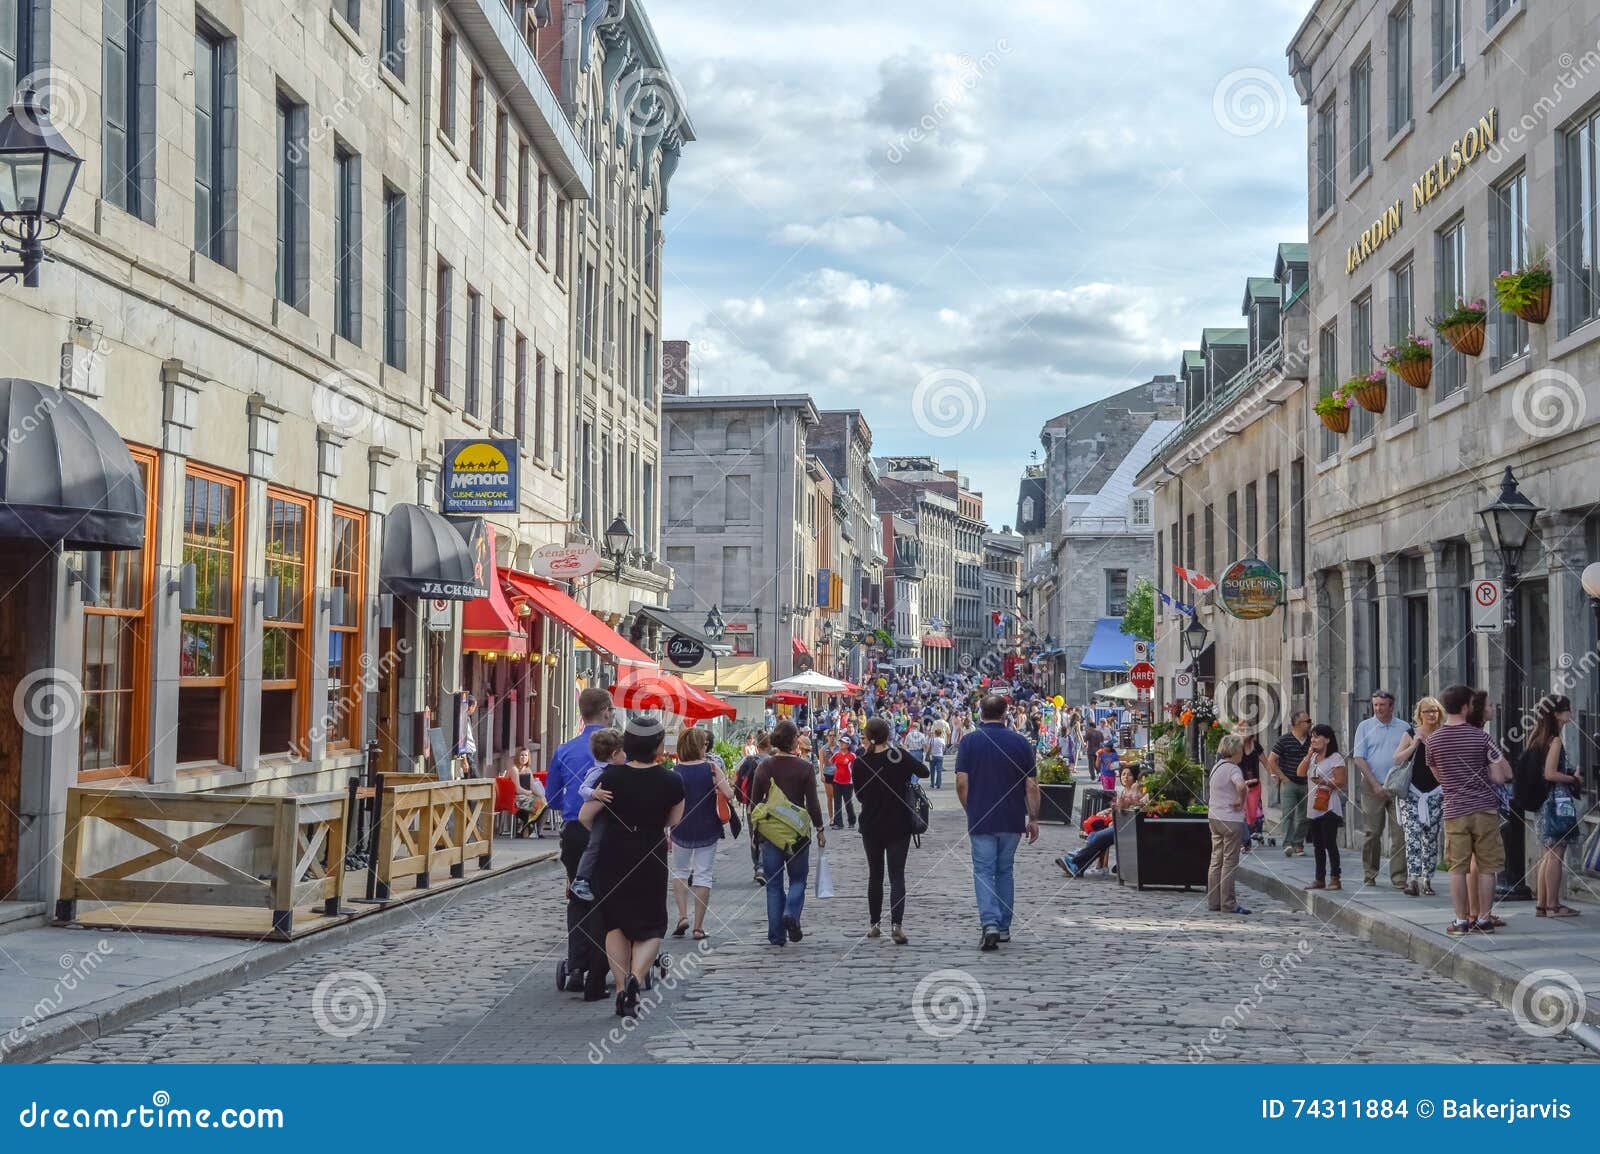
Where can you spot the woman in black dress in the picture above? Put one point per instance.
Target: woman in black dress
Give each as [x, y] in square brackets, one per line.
[631, 875]
[882, 773]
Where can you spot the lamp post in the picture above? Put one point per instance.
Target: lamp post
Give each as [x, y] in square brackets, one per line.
[716, 628]
[1194, 640]
[37, 171]
[1509, 522]
[618, 538]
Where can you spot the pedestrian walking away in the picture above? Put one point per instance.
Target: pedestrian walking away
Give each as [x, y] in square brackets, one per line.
[744, 786]
[695, 836]
[883, 775]
[569, 766]
[1225, 796]
[1377, 738]
[1326, 779]
[785, 866]
[997, 784]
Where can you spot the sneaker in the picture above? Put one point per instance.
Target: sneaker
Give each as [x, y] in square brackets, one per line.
[581, 890]
[991, 939]
[874, 932]
[792, 927]
[1238, 910]
[898, 935]
[760, 881]
[1005, 936]
[1370, 880]
[1288, 851]
[1457, 927]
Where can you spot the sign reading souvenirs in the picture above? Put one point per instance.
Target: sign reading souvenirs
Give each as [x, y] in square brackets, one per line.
[684, 652]
[1250, 589]
[1475, 142]
[480, 476]
[564, 562]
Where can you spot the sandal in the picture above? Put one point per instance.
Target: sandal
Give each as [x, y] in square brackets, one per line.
[699, 935]
[1427, 889]
[681, 929]
[1541, 911]
[1564, 912]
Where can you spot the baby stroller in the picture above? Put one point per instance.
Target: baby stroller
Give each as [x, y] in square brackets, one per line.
[573, 981]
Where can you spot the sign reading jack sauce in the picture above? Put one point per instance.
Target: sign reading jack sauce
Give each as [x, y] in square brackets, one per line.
[1250, 589]
[480, 476]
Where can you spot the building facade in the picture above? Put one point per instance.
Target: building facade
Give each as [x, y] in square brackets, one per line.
[1003, 621]
[903, 589]
[917, 489]
[843, 442]
[967, 620]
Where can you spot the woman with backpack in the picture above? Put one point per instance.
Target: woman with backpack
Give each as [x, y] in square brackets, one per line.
[1558, 811]
[790, 775]
[883, 776]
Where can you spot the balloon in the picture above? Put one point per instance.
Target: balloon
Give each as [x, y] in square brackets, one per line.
[1059, 700]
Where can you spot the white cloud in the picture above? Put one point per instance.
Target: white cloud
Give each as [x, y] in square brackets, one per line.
[843, 234]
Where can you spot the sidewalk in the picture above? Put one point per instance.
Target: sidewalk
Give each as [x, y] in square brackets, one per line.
[1492, 964]
[60, 987]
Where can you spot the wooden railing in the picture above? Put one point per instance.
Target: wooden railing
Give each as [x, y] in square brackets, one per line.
[304, 836]
[428, 825]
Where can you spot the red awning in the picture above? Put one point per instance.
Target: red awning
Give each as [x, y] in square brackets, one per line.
[488, 624]
[595, 633]
[934, 641]
[800, 649]
[852, 687]
[652, 689]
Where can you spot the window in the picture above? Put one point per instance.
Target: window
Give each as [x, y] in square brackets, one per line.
[649, 248]
[16, 43]
[1400, 74]
[561, 231]
[1495, 10]
[285, 640]
[1116, 592]
[128, 113]
[1327, 157]
[1362, 422]
[1509, 250]
[1232, 530]
[1188, 530]
[608, 508]
[520, 427]
[558, 412]
[523, 205]
[207, 674]
[736, 574]
[344, 628]
[447, 83]
[585, 474]
[347, 245]
[116, 654]
[737, 506]
[444, 289]
[1446, 40]
[1252, 520]
[1141, 512]
[543, 192]
[212, 130]
[680, 498]
[475, 142]
[392, 37]
[1402, 321]
[351, 11]
[497, 373]
[1580, 222]
[1210, 555]
[1450, 267]
[649, 369]
[538, 405]
[293, 178]
[1297, 522]
[502, 157]
[474, 399]
[394, 278]
[1274, 524]
[1361, 116]
[648, 503]
[1327, 379]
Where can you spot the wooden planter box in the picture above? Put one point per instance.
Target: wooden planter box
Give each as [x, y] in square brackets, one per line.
[1338, 420]
[1163, 851]
[1417, 374]
[1467, 339]
[1055, 802]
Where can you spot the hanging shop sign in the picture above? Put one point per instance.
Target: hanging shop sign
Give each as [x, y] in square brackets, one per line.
[685, 652]
[564, 562]
[480, 476]
[1250, 589]
[1476, 141]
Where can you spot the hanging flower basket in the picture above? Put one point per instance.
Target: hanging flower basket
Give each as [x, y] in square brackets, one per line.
[1463, 326]
[1525, 292]
[1536, 311]
[1337, 419]
[1418, 374]
[1371, 391]
[1334, 408]
[1411, 360]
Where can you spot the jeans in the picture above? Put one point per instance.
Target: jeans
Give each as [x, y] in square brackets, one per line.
[893, 854]
[1379, 814]
[1325, 844]
[993, 877]
[843, 804]
[936, 770]
[1292, 799]
[1099, 842]
[1225, 842]
[779, 906]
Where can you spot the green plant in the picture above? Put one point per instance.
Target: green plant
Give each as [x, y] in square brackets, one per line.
[1139, 611]
[1465, 312]
[1334, 401]
[1413, 348]
[1177, 777]
[1162, 730]
[1517, 289]
[1356, 384]
[730, 753]
[1054, 771]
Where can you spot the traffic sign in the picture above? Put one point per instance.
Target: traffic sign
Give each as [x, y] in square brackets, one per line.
[1141, 651]
[1143, 676]
[1182, 685]
[439, 615]
[1488, 607]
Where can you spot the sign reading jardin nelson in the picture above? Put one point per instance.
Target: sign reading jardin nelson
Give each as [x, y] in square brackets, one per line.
[480, 476]
[1250, 588]
[1475, 142]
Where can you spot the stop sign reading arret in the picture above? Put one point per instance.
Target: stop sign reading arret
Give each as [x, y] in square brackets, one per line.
[1488, 607]
[1143, 676]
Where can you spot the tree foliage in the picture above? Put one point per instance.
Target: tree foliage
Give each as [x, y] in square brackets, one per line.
[1139, 612]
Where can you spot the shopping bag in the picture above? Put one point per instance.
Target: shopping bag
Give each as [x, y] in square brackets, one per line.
[824, 876]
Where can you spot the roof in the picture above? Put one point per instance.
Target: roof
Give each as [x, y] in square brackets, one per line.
[1129, 397]
[1294, 253]
[1260, 288]
[1193, 359]
[1210, 337]
[1110, 649]
[1112, 499]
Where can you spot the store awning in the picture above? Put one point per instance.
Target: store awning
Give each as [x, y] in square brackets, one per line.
[732, 675]
[425, 555]
[65, 475]
[800, 649]
[937, 641]
[673, 623]
[592, 631]
[488, 624]
[1110, 649]
[653, 689]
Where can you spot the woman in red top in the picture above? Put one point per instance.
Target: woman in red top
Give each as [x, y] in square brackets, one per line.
[843, 785]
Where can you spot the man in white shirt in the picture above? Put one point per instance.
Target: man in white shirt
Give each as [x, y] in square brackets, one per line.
[917, 737]
[1377, 738]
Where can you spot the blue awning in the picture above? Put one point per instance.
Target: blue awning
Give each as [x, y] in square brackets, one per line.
[1110, 649]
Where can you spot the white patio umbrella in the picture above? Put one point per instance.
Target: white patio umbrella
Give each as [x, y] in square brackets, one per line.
[1121, 692]
[808, 682]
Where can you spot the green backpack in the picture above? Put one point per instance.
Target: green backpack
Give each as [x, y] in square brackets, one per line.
[780, 821]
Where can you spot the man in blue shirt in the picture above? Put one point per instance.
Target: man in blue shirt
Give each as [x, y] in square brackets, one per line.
[997, 785]
[569, 765]
[1377, 739]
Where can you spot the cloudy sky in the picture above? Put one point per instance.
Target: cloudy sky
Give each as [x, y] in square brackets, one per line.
[964, 219]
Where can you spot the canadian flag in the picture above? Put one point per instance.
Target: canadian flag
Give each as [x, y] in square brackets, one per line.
[1197, 581]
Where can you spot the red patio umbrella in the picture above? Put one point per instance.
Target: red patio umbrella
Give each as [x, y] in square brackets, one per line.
[786, 699]
[652, 689]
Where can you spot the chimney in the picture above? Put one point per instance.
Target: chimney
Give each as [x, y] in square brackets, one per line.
[675, 367]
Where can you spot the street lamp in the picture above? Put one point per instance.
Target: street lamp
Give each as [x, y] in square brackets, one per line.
[37, 171]
[1194, 640]
[618, 538]
[1509, 524]
[716, 628]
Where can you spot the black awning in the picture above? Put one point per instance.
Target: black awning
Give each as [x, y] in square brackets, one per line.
[65, 475]
[676, 624]
[424, 555]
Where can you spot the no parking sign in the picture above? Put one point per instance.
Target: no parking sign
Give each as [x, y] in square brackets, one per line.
[1488, 607]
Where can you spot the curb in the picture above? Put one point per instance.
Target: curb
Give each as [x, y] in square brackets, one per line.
[75, 1027]
[1498, 982]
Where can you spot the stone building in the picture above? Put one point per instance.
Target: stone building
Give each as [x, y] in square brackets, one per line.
[967, 624]
[843, 442]
[918, 490]
[902, 589]
[737, 520]
[1003, 622]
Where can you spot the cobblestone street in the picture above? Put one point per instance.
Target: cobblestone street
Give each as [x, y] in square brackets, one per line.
[1095, 972]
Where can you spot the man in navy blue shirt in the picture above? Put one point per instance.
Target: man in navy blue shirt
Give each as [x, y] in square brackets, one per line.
[997, 785]
[569, 764]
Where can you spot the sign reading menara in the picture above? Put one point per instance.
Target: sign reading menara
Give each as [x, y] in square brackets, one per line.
[480, 476]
